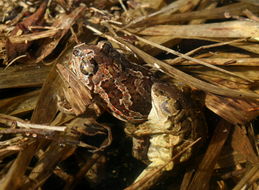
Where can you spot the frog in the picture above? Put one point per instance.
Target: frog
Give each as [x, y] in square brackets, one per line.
[175, 121]
[98, 78]
[120, 86]
[164, 118]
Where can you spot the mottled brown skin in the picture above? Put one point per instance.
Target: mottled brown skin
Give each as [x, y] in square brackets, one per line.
[124, 87]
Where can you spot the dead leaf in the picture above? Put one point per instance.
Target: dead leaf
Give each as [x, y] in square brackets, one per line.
[16, 49]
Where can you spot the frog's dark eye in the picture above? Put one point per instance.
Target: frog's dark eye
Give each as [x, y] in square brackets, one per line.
[161, 92]
[88, 67]
[76, 52]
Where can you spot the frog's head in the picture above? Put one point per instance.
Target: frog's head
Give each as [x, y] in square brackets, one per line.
[165, 99]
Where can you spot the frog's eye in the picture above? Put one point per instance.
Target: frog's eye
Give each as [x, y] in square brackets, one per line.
[170, 108]
[161, 92]
[76, 52]
[165, 108]
[88, 67]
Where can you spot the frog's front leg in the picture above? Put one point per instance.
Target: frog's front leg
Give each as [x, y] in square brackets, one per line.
[74, 97]
[64, 106]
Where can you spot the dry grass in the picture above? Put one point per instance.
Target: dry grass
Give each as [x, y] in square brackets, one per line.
[211, 46]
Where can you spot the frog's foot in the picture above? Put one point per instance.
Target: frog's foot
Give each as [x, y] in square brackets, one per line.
[64, 106]
[90, 127]
[102, 129]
